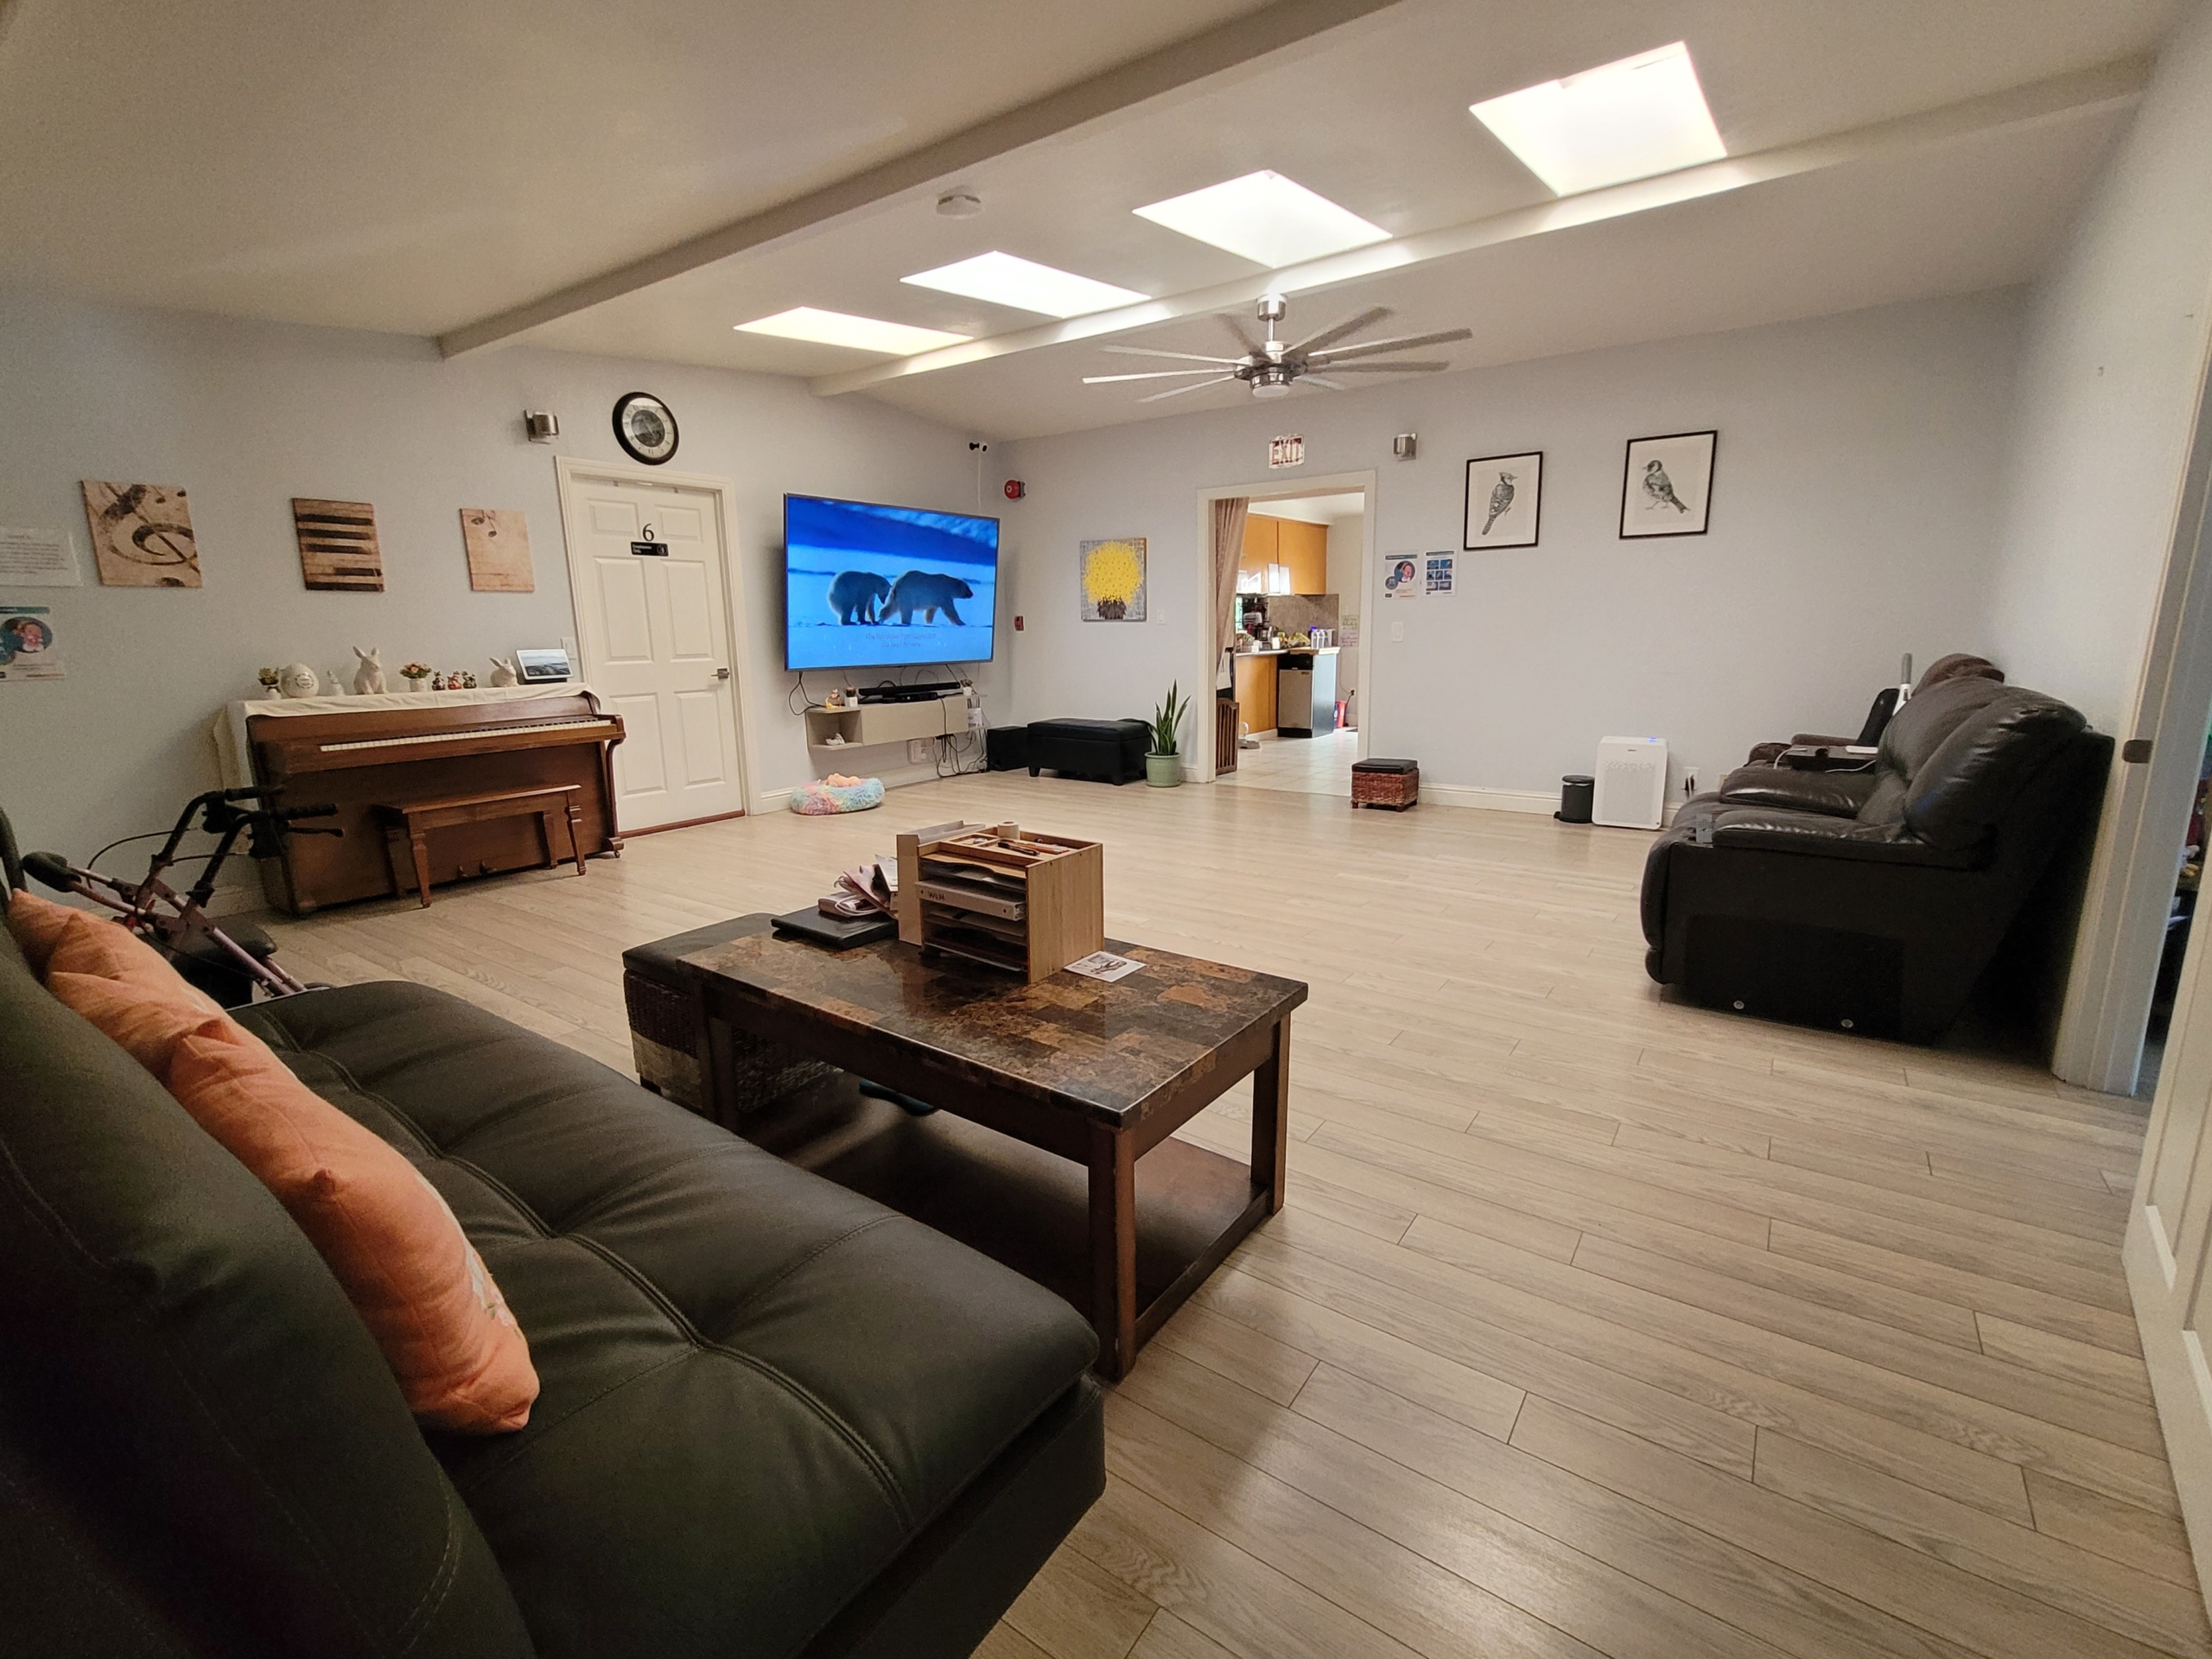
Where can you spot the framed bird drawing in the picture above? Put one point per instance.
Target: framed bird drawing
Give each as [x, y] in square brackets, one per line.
[1666, 489]
[1505, 496]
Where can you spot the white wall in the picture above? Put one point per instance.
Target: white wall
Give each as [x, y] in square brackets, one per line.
[246, 416]
[1854, 511]
[2109, 364]
[2098, 593]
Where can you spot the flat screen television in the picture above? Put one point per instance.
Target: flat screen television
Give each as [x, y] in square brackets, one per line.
[868, 586]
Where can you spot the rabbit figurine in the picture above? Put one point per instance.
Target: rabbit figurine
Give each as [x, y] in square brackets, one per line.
[368, 678]
[503, 672]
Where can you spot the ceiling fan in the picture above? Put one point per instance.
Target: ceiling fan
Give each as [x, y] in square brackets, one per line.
[1270, 366]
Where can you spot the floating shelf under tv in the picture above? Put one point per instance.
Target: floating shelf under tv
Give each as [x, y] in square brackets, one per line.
[888, 722]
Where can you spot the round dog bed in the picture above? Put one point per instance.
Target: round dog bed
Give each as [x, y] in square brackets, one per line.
[838, 793]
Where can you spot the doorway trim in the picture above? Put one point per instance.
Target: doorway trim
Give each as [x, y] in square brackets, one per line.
[567, 471]
[1207, 644]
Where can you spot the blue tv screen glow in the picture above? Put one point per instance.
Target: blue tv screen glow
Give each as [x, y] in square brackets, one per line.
[875, 586]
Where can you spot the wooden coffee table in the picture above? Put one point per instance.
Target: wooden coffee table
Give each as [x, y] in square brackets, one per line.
[1068, 1072]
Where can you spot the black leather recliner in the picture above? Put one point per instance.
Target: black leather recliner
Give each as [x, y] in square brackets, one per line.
[1874, 900]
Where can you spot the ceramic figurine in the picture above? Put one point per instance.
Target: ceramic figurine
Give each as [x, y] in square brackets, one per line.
[368, 678]
[503, 672]
[297, 680]
[269, 676]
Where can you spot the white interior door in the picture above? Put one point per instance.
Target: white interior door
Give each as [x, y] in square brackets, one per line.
[653, 632]
[2169, 1233]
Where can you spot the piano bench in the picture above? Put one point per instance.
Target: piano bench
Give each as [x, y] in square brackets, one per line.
[412, 821]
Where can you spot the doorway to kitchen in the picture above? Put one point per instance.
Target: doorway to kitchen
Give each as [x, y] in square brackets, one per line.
[1293, 678]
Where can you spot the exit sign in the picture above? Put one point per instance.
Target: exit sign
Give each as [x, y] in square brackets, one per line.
[1287, 451]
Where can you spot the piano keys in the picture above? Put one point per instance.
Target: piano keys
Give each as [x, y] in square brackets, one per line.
[362, 761]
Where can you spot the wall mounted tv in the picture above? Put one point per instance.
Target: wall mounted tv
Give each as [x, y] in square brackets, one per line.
[876, 587]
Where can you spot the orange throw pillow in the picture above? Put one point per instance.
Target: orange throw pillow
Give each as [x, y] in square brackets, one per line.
[389, 1237]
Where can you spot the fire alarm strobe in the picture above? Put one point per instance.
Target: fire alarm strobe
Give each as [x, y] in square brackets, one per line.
[1015, 489]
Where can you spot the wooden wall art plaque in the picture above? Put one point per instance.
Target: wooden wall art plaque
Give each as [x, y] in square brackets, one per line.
[337, 546]
[498, 551]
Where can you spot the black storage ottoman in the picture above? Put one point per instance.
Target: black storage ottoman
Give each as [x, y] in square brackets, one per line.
[1111, 749]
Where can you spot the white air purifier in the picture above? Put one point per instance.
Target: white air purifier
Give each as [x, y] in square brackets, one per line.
[1631, 774]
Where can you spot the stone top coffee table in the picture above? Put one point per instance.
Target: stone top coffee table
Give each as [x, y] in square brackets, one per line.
[1068, 1072]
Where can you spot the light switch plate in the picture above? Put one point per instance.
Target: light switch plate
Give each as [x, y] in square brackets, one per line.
[1398, 631]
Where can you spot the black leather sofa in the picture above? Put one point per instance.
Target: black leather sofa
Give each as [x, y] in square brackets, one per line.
[776, 1418]
[1875, 901]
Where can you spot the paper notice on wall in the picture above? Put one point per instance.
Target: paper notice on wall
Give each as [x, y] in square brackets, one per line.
[37, 558]
[30, 648]
[1402, 575]
[1441, 569]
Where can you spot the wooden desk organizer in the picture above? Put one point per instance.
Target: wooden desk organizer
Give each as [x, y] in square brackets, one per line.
[1058, 883]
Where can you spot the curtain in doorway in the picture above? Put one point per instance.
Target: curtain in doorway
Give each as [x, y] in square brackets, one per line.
[1228, 548]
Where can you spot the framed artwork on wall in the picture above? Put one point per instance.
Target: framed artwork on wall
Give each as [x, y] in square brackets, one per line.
[1505, 496]
[1113, 580]
[1667, 485]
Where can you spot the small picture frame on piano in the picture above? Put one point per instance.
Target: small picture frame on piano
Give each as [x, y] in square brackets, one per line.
[547, 665]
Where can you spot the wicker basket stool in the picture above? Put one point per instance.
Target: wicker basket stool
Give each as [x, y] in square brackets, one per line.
[1394, 784]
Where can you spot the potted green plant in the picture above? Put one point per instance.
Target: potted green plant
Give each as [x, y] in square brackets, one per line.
[1163, 767]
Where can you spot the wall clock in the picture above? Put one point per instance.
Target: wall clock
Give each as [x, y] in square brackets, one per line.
[644, 429]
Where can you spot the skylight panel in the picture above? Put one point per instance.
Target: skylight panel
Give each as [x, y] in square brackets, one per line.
[1643, 116]
[1266, 218]
[1007, 279]
[861, 334]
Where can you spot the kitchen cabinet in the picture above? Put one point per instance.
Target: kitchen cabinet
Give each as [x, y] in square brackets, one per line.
[1255, 692]
[1305, 549]
[1261, 540]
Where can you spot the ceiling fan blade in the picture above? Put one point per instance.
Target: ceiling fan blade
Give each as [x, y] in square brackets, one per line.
[1187, 357]
[1316, 380]
[1197, 385]
[1349, 326]
[1384, 368]
[1404, 342]
[1154, 374]
[1245, 343]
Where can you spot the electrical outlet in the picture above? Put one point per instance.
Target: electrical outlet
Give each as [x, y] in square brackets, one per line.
[1689, 782]
[1397, 632]
[917, 751]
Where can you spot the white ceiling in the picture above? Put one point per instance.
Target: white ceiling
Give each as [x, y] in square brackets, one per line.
[417, 167]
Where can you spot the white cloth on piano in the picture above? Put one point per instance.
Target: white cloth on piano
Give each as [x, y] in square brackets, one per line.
[234, 753]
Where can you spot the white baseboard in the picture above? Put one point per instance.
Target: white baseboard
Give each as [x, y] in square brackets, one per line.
[1494, 800]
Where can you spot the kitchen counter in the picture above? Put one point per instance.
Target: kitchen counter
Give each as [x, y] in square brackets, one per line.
[1294, 651]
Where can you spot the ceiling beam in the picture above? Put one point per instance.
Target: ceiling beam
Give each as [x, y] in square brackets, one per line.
[2080, 92]
[1257, 35]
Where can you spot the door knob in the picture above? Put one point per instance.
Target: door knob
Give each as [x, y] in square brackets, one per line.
[722, 673]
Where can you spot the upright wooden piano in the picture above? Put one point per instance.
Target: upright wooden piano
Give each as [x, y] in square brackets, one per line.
[362, 761]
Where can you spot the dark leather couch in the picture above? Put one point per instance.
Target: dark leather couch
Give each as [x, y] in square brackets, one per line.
[1958, 665]
[1874, 900]
[777, 1418]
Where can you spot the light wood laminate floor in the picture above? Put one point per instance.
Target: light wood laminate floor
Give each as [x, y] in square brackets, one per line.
[1596, 1324]
[1305, 765]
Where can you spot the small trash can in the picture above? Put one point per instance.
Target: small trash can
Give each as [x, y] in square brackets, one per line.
[1578, 793]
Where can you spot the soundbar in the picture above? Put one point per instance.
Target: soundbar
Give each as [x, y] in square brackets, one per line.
[922, 691]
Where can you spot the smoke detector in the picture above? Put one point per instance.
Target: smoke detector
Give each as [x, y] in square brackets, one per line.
[960, 204]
